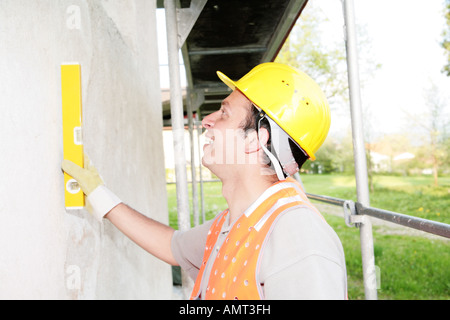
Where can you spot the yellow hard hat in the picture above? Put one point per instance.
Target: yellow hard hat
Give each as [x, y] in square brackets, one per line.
[290, 98]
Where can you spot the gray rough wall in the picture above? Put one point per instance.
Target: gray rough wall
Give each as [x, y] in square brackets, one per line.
[46, 252]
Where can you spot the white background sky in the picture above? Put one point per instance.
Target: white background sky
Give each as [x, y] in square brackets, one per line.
[405, 37]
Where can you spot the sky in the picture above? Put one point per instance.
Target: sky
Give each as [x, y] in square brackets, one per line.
[404, 37]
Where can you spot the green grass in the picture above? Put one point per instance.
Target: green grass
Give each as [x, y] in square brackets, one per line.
[214, 202]
[415, 196]
[411, 267]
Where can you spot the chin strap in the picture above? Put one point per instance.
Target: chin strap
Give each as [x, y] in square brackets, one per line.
[282, 149]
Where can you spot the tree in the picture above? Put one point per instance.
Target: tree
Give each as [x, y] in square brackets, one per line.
[305, 50]
[437, 125]
[434, 124]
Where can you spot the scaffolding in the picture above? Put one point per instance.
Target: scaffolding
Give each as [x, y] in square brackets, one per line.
[179, 22]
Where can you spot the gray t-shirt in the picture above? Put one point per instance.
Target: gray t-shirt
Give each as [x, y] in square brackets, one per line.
[303, 257]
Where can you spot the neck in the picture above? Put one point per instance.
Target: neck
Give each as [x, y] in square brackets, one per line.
[240, 191]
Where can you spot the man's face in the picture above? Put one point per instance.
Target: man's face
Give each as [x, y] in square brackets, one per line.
[225, 138]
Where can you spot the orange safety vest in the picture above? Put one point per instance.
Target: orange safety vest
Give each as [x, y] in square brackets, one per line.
[235, 271]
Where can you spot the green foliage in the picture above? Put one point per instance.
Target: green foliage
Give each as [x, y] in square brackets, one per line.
[334, 156]
[305, 51]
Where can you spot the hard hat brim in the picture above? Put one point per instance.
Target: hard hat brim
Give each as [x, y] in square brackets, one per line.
[230, 83]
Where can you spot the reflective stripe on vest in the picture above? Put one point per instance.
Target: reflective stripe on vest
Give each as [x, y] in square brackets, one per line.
[235, 271]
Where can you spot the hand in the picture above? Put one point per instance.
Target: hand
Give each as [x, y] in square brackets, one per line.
[100, 200]
[87, 178]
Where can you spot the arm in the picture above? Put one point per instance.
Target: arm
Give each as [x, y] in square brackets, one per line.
[149, 234]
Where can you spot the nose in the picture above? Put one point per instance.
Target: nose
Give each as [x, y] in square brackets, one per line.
[208, 121]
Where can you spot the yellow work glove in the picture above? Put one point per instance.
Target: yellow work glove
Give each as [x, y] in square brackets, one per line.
[87, 178]
[100, 199]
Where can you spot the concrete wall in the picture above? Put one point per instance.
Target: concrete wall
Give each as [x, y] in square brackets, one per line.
[46, 252]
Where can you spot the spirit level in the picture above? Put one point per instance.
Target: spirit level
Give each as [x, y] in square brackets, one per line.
[72, 134]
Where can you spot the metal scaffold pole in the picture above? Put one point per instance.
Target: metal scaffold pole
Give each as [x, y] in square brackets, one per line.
[362, 187]
[192, 133]
[176, 107]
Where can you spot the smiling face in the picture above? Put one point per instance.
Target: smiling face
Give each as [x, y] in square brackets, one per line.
[227, 144]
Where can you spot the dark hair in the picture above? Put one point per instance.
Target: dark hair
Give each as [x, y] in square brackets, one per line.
[251, 123]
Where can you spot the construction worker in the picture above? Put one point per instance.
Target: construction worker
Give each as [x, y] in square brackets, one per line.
[271, 242]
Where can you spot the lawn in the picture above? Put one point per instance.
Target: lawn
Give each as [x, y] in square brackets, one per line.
[411, 267]
[415, 196]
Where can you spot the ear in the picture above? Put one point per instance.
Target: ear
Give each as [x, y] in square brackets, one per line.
[253, 141]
